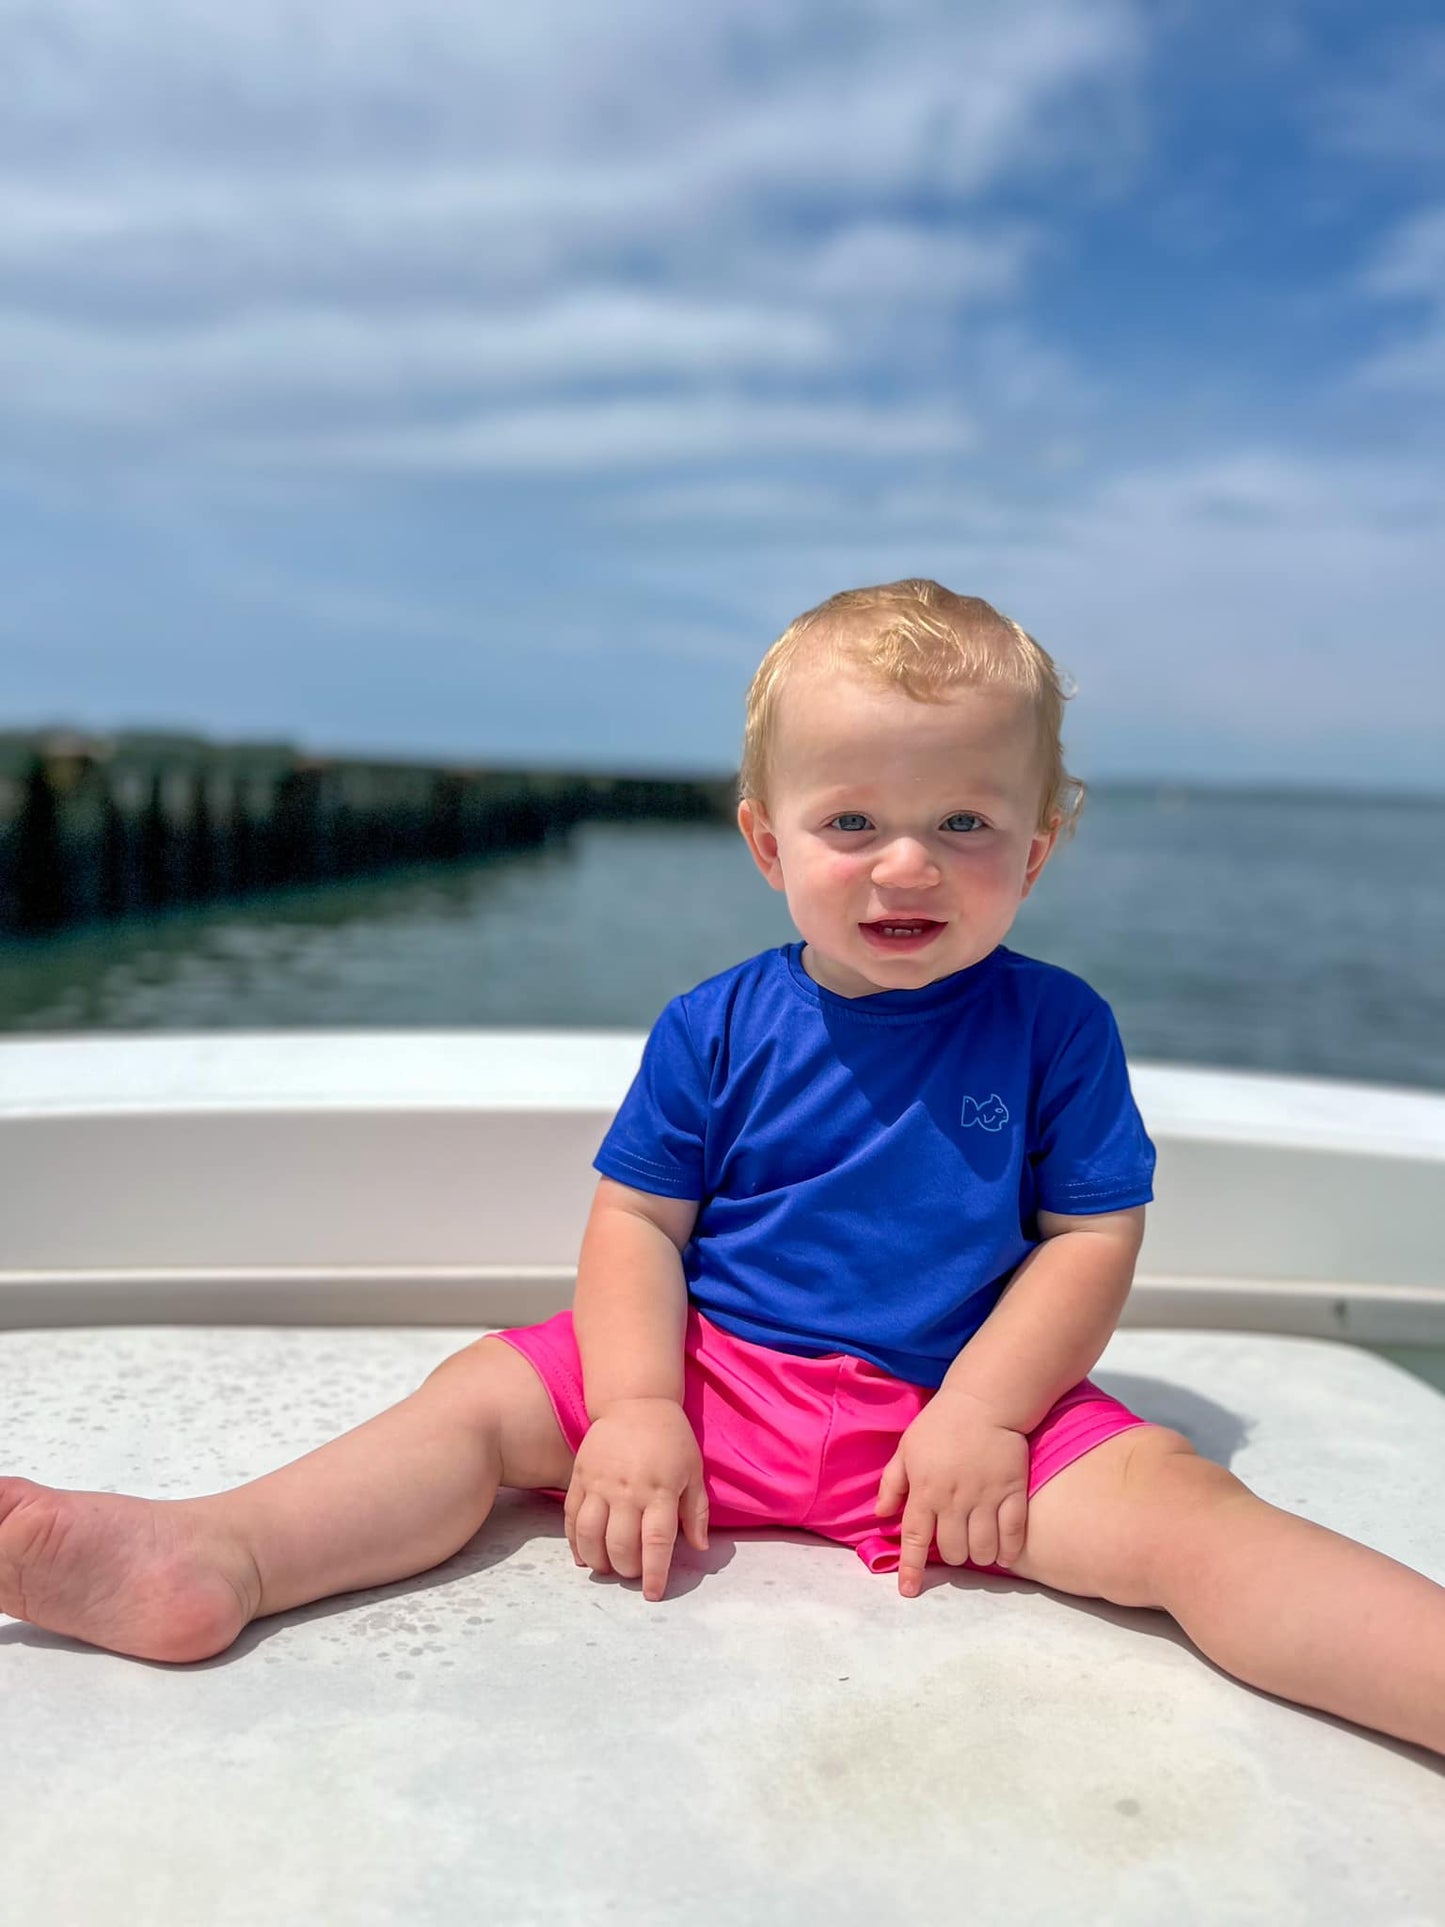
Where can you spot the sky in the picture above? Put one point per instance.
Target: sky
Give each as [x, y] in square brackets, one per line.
[492, 384]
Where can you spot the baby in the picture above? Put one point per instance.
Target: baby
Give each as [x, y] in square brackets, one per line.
[865, 1221]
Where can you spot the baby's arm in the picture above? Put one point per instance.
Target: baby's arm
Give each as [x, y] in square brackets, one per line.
[639, 1467]
[1055, 1317]
[963, 1463]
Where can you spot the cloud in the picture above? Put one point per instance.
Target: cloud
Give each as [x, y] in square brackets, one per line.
[635, 113]
[1412, 261]
[1408, 272]
[268, 362]
[358, 213]
[744, 89]
[575, 438]
[1394, 110]
[892, 262]
[1266, 598]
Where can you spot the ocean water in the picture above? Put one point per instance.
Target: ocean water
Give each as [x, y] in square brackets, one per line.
[1303, 934]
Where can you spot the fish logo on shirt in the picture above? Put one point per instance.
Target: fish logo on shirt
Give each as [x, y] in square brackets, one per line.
[992, 1114]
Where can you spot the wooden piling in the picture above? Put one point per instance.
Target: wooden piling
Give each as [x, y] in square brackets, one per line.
[96, 828]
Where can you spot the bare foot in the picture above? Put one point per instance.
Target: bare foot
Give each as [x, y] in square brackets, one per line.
[141, 1576]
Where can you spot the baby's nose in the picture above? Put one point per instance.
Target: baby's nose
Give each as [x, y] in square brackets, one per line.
[905, 859]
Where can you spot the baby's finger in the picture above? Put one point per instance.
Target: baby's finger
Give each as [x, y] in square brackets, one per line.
[590, 1533]
[624, 1540]
[659, 1536]
[1012, 1527]
[893, 1488]
[693, 1512]
[951, 1533]
[914, 1544]
[983, 1535]
[572, 1506]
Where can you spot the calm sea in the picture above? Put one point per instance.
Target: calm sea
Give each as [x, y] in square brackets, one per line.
[1301, 934]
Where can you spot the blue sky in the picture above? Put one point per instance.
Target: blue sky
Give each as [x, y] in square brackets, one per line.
[494, 384]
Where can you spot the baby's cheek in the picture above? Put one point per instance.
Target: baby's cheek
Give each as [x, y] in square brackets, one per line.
[1003, 870]
[840, 873]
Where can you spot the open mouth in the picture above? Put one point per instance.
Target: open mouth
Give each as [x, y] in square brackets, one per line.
[901, 933]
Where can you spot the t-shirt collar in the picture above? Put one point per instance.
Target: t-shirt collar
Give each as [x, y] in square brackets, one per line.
[892, 1003]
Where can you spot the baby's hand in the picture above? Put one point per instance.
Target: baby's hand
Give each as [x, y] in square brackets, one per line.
[966, 1479]
[637, 1471]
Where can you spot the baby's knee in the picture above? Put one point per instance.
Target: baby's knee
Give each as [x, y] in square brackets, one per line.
[1162, 1487]
[479, 1380]
[491, 1387]
[1164, 1470]
[1185, 1496]
[469, 1359]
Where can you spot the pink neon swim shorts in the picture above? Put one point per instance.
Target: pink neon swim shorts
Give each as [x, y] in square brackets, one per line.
[802, 1442]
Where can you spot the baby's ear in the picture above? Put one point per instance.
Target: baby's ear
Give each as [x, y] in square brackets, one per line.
[759, 837]
[1040, 850]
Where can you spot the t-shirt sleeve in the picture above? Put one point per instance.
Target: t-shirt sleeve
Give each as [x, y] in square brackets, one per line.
[1091, 1152]
[656, 1141]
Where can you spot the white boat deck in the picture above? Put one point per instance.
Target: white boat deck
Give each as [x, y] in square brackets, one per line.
[213, 1259]
[781, 1739]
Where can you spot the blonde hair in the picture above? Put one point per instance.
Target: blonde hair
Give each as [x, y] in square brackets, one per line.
[923, 639]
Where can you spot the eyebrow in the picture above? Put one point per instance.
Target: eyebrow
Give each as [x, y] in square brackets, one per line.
[861, 792]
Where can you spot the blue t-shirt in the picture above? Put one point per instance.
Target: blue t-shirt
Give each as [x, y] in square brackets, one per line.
[870, 1169]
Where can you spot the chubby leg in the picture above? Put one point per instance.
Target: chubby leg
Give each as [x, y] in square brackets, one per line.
[1279, 1602]
[177, 1579]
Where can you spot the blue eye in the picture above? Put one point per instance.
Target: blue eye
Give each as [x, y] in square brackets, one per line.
[850, 819]
[967, 817]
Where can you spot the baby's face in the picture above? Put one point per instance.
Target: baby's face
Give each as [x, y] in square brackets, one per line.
[905, 834]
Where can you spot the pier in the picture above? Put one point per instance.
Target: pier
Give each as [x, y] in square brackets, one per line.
[96, 828]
